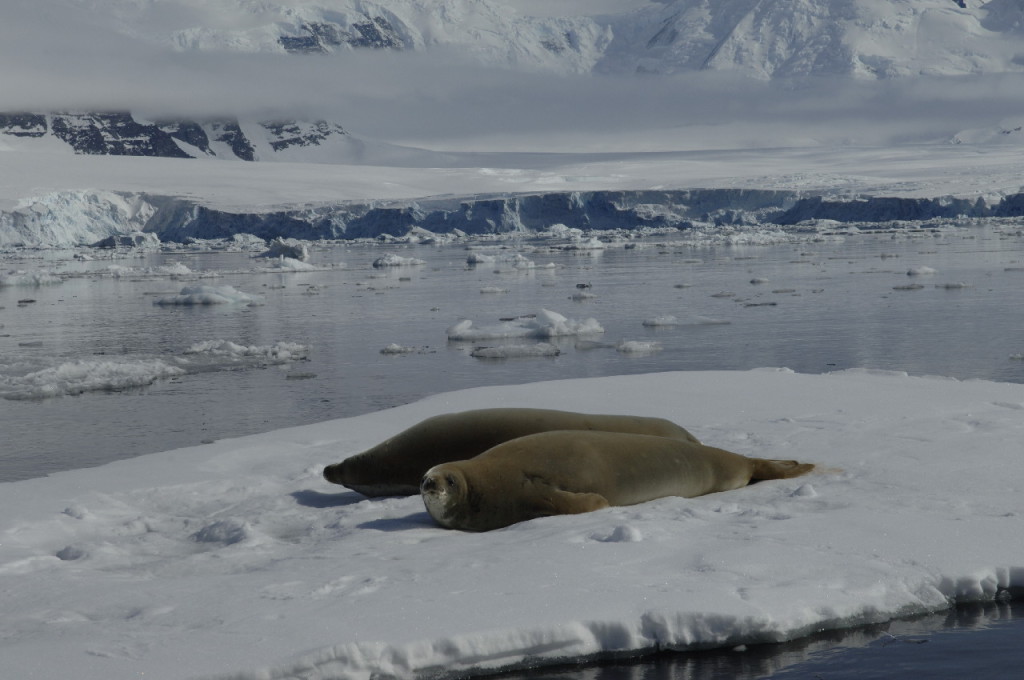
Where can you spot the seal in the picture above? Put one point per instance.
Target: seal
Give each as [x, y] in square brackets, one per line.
[396, 466]
[565, 472]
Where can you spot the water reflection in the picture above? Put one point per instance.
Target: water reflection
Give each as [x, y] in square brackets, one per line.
[811, 306]
[978, 640]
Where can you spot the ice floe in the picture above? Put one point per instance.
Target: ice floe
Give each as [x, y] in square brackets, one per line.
[545, 324]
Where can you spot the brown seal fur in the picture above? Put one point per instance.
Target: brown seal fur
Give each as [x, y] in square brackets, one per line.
[396, 466]
[563, 472]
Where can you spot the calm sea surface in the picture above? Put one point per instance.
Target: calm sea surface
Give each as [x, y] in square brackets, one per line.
[809, 306]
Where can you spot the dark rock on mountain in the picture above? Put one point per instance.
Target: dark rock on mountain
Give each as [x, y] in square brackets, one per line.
[118, 133]
[114, 134]
[324, 37]
[288, 134]
[23, 124]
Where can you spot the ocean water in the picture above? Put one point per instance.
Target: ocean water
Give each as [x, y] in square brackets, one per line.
[815, 305]
[978, 641]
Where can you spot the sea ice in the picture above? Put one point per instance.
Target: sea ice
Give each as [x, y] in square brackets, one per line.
[209, 295]
[236, 559]
[546, 324]
[540, 349]
[392, 260]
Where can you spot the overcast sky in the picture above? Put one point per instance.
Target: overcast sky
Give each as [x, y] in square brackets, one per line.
[57, 60]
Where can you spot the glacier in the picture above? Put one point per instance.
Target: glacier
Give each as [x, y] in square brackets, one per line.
[77, 218]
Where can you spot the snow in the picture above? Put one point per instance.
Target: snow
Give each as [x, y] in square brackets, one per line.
[236, 559]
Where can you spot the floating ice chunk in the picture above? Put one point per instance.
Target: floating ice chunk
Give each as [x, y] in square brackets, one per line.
[522, 262]
[546, 324]
[540, 349]
[88, 375]
[561, 231]
[23, 278]
[281, 352]
[920, 271]
[480, 258]
[290, 264]
[953, 286]
[663, 320]
[290, 248]
[638, 346]
[593, 243]
[395, 348]
[392, 260]
[210, 295]
[493, 290]
[136, 239]
[173, 269]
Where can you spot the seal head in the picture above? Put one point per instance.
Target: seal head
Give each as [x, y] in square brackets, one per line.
[445, 493]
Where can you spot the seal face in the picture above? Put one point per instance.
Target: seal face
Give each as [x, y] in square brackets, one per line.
[444, 494]
[395, 466]
[568, 472]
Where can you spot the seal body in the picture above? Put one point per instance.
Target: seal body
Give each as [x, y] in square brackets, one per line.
[565, 472]
[396, 466]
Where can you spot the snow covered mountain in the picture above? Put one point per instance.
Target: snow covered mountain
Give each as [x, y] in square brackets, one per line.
[765, 39]
[856, 38]
[861, 41]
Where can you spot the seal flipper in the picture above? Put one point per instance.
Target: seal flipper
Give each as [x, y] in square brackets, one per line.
[765, 468]
[553, 501]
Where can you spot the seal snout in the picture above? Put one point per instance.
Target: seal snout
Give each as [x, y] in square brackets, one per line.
[333, 474]
[428, 484]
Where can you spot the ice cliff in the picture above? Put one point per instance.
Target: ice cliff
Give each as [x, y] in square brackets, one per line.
[86, 217]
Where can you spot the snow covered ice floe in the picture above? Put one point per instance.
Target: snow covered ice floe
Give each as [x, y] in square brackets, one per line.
[209, 295]
[539, 349]
[290, 248]
[281, 352]
[235, 559]
[638, 346]
[29, 279]
[546, 324]
[289, 264]
[86, 375]
[392, 260]
[23, 381]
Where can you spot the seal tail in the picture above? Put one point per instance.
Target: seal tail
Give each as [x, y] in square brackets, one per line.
[765, 468]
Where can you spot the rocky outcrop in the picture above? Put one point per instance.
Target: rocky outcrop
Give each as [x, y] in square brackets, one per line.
[119, 133]
[319, 37]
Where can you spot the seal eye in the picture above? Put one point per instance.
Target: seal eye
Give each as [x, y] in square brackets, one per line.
[450, 479]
